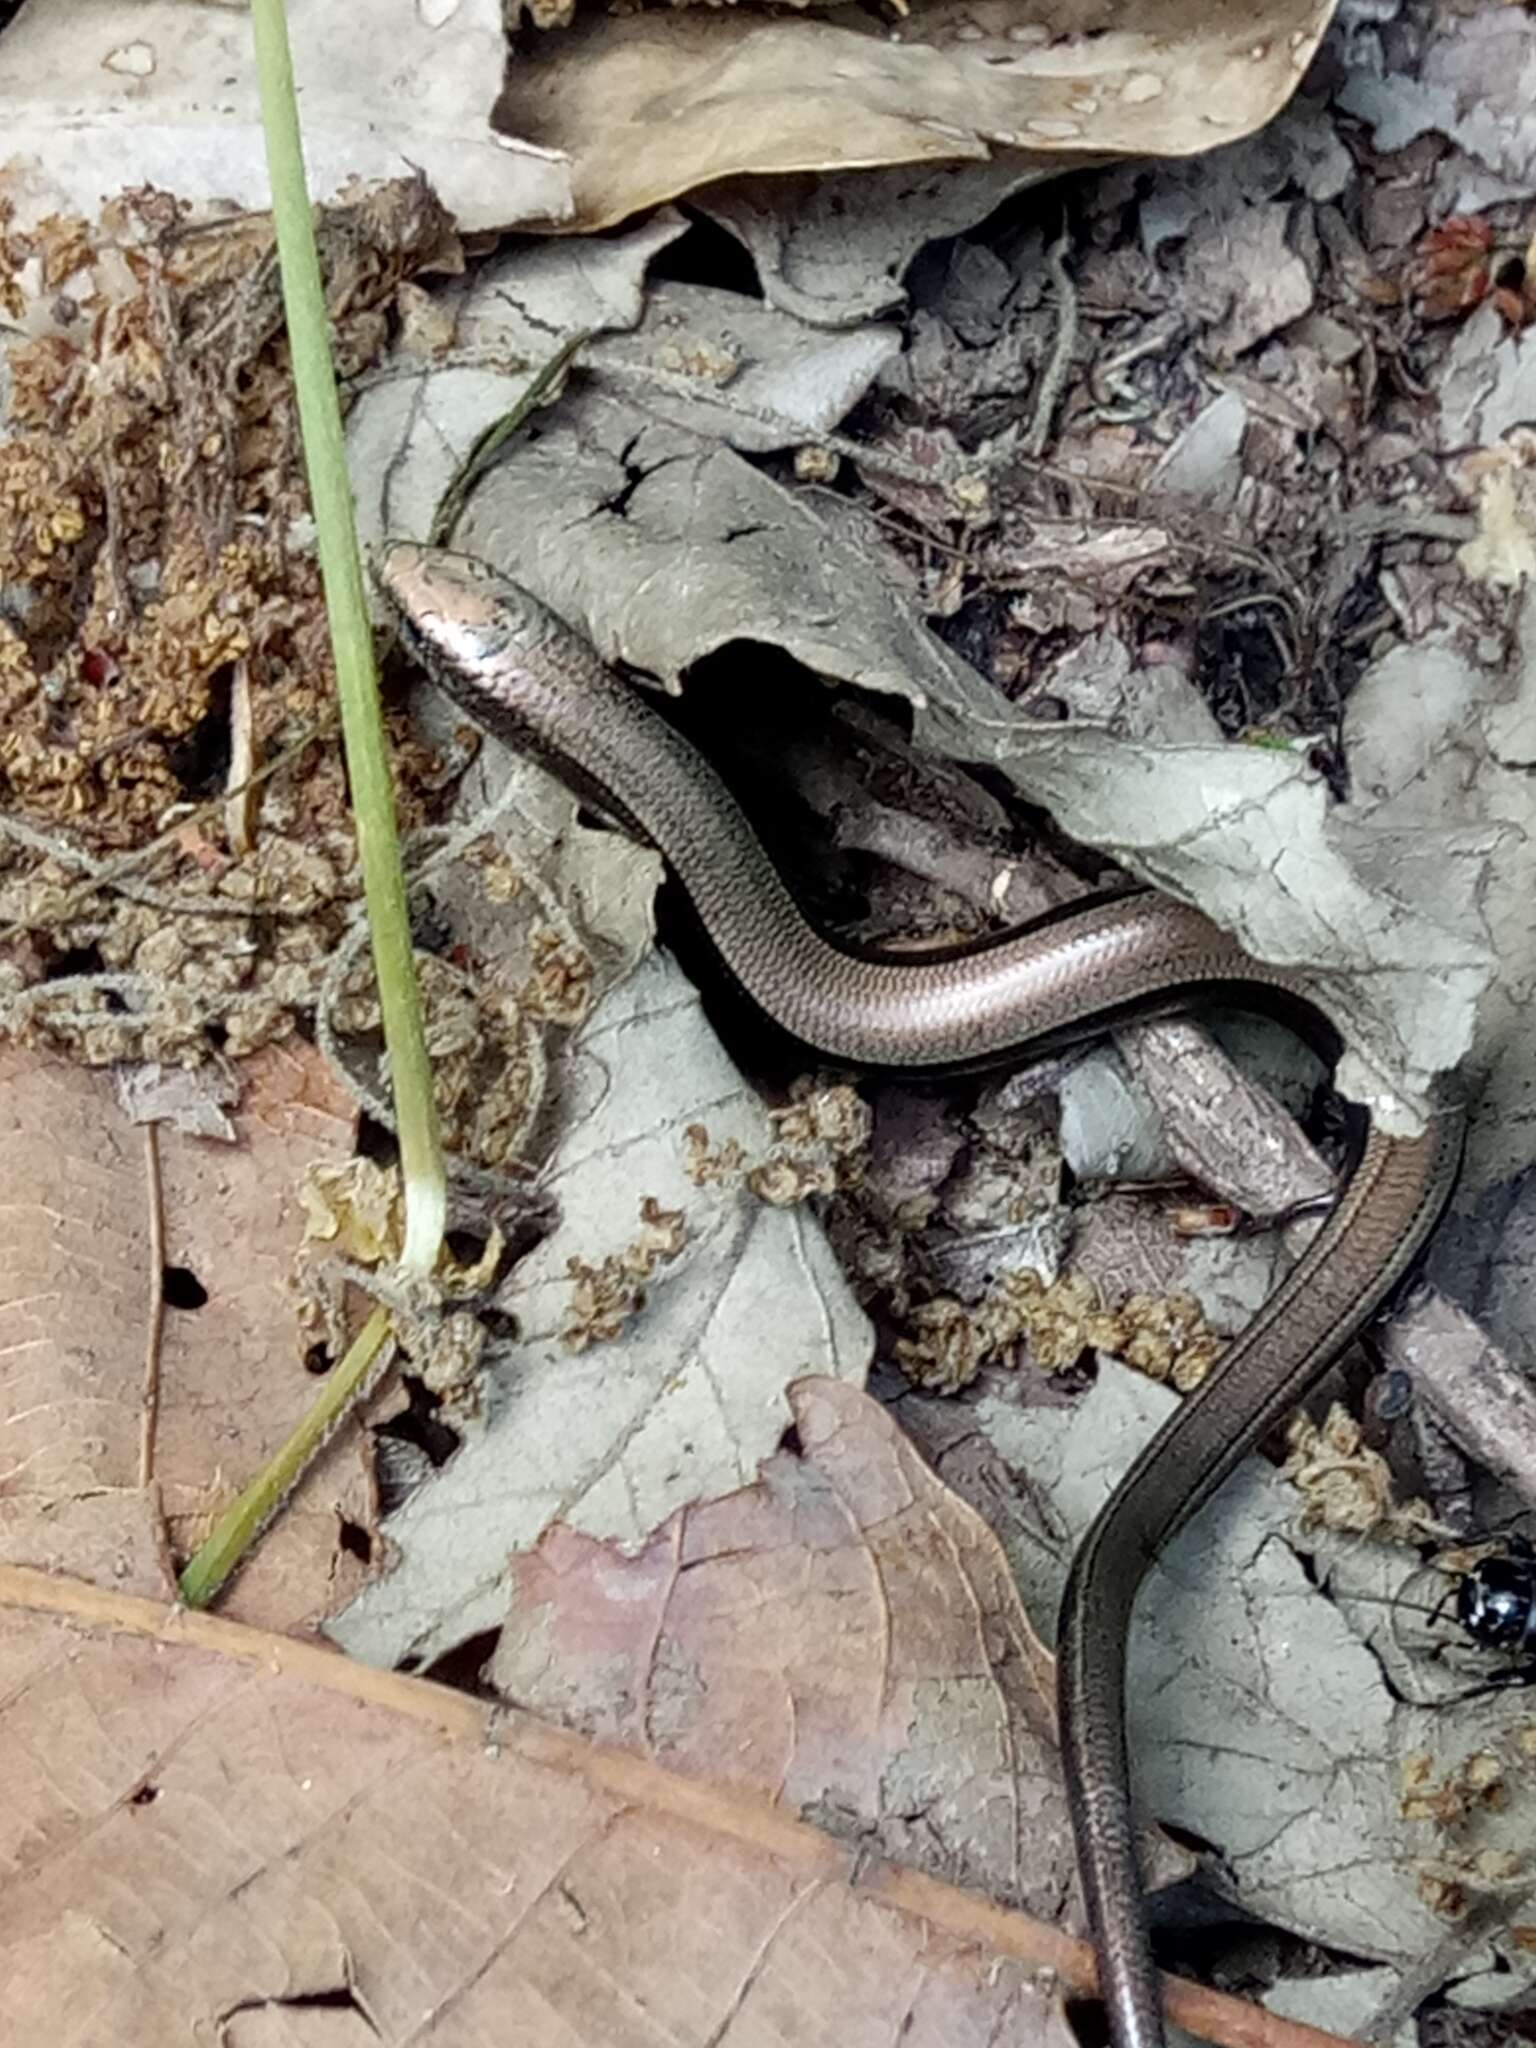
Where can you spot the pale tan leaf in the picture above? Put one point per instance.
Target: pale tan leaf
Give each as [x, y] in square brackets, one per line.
[208, 1832]
[205, 1828]
[844, 1635]
[108, 1424]
[646, 106]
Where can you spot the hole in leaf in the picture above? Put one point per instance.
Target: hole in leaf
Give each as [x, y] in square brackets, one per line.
[421, 1425]
[182, 1288]
[463, 1666]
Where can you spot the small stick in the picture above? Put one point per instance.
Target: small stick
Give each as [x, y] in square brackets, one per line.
[1053, 377]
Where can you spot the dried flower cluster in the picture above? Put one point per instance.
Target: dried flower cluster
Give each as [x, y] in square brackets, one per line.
[1164, 1336]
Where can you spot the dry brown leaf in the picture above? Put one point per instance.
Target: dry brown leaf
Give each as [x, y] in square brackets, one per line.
[844, 1635]
[209, 1831]
[647, 106]
[213, 1833]
[76, 1331]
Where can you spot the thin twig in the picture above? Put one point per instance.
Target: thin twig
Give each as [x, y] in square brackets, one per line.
[490, 444]
[1053, 378]
[149, 1409]
[1485, 1403]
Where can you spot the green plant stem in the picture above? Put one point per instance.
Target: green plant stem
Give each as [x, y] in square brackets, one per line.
[425, 1183]
[243, 1521]
[373, 803]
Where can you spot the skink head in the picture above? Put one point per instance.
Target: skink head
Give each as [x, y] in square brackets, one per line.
[516, 668]
[458, 616]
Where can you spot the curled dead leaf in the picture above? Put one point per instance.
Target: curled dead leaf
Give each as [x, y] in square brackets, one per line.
[645, 106]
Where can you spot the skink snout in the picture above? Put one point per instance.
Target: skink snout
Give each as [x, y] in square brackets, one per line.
[474, 629]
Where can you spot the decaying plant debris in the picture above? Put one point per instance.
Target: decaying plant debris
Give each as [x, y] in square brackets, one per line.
[166, 890]
[152, 493]
[169, 621]
[1214, 476]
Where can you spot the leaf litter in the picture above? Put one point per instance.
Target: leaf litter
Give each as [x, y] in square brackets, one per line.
[1225, 488]
[230, 1831]
[124, 1430]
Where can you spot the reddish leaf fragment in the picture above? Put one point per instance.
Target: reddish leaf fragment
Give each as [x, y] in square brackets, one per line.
[1453, 267]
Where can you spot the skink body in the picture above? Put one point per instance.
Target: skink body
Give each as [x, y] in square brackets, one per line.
[521, 672]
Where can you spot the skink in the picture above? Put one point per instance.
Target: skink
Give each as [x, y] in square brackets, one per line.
[522, 673]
